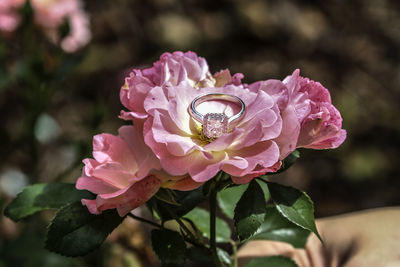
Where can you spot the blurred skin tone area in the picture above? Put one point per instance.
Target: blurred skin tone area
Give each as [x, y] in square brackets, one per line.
[365, 238]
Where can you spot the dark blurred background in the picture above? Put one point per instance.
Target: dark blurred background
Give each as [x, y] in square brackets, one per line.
[48, 117]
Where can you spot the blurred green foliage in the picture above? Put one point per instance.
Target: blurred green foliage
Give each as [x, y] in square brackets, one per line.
[351, 47]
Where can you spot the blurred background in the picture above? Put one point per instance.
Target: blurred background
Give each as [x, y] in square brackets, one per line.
[52, 103]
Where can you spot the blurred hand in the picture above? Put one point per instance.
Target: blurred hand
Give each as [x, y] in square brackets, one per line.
[366, 238]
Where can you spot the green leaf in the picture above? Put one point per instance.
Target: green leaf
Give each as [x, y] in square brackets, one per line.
[294, 205]
[201, 218]
[229, 197]
[169, 247]
[76, 232]
[271, 261]
[39, 197]
[250, 211]
[186, 200]
[278, 228]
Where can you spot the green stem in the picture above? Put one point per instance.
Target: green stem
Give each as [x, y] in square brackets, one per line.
[213, 206]
[235, 258]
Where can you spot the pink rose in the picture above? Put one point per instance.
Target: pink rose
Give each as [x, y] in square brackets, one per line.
[279, 117]
[122, 173]
[51, 14]
[173, 69]
[320, 121]
[158, 98]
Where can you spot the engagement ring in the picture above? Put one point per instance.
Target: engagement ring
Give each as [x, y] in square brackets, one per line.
[215, 124]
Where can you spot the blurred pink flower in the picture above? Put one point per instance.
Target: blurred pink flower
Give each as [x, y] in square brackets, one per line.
[51, 14]
[9, 16]
[9, 21]
[158, 99]
[122, 173]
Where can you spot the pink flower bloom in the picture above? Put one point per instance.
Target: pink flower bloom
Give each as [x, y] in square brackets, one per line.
[173, 69]
[9, 16]
[51, 14]
[309, 118]
[321, 122]
[122, 173]
[158, 98]
[279, 117]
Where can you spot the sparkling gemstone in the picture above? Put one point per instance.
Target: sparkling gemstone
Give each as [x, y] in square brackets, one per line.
[215, 125]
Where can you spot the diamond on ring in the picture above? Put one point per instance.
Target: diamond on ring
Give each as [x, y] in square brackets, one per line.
[215, 124]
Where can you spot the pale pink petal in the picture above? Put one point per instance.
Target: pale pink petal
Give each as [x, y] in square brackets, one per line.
[155, 100]
[113, 174]
[132, 198]
[277, 90]
[265, 154]
[163, 130]
[145, 158]
[261, 103]
[93, 185]
[110, 148]
[134, 92]
[248, 138]
[90, 164]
